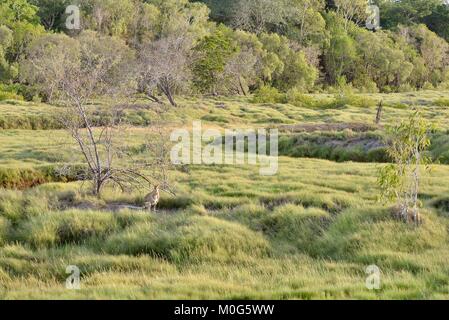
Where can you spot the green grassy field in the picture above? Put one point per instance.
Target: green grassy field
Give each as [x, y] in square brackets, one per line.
[308, 232]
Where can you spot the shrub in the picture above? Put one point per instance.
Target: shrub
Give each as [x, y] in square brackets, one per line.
[406, 87]
[428, 86]
[10, 92]
[369, 87]
[349, 99]
[298, 99]
[268, 94]
[9, 96]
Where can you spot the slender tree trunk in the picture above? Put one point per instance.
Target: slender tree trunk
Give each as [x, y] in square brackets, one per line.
[171, 99]
[241, 86]
[379, 113]
[165, 88]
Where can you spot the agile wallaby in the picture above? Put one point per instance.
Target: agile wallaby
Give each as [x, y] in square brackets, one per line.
[152, 199]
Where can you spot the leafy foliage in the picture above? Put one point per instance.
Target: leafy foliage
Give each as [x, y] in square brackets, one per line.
[401, 179]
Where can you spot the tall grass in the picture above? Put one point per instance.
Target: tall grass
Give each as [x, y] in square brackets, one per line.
[307, 233]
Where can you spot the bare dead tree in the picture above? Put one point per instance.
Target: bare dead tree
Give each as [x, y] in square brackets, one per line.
[164, 66]
[258, 16]
[79, 71]
[239, 72]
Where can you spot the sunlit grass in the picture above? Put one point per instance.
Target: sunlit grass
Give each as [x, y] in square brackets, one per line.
[308, 232]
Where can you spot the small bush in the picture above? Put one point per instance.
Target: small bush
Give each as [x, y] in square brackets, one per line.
[9, 96]
[268, 94]
[344, 100]
[406, 87]
[428, 86]
[19, 91]
[298, 99]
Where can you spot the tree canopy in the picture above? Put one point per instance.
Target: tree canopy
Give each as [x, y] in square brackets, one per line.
[237, 47]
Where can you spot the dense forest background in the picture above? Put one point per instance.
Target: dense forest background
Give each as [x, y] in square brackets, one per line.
[230, 47]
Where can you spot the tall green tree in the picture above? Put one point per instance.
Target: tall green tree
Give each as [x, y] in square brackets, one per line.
[438, 21]
[288, 64]
[213, 53]
[405, 12]
[305, 22]
[52, 13]
[6, 39]
[20, 17]
[381, 60]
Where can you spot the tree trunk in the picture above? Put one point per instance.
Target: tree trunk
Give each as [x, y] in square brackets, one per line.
[167, 92]
[379, 113]
[97, 187]
[171, 99]
[241, 87]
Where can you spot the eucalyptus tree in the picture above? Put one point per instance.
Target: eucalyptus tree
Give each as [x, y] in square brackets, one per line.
[401, 180]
